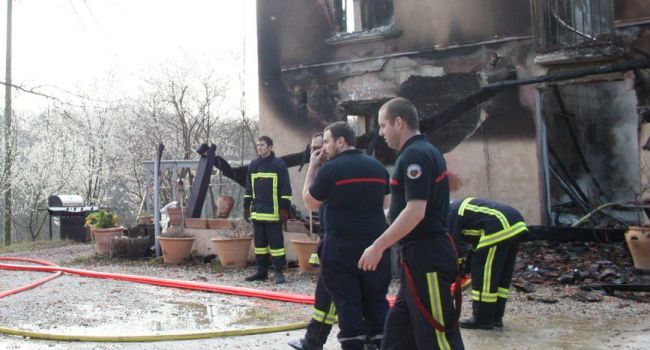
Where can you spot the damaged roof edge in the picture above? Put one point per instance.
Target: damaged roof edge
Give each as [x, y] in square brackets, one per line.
[406, 53]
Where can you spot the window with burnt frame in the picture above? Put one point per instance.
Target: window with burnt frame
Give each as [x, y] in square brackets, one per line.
[353, 16]
[572, 24]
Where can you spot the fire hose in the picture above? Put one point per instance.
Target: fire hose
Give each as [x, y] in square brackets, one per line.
[247, 292]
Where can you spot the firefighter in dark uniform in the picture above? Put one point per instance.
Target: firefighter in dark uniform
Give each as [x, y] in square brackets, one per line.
[493, 231]
[355, 187]
[267, 201]
[324, 316]
[424, 316]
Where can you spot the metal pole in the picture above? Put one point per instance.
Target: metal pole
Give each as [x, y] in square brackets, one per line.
[156, 195]
[8, 133]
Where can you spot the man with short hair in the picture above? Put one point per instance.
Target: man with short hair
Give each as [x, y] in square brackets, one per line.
[493, 231]
[267, 201]
[423, 316]
[354, 187]
[324, 316]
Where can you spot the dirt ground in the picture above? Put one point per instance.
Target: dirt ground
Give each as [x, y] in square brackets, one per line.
[551, 316]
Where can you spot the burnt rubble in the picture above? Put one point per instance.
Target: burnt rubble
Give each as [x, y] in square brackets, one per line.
[577, 264]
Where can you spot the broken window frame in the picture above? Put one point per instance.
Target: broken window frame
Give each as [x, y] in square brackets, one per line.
[579, 28]
[371, 22]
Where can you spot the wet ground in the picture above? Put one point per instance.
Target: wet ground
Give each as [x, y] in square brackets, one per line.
[84, 306]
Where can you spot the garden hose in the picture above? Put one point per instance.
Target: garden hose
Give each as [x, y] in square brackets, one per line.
[249, 292]
[33, 284]
[153, 337]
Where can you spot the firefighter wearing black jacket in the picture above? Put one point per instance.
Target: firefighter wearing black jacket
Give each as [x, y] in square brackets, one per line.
[424, 316]
[324, 315]
[267, 201]
[353, 187]
[493, 231]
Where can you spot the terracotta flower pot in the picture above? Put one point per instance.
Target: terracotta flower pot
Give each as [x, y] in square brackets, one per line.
[174, 216]
[104, 239]
[304, 249]
[638, 240]
[176, 249]
[224, 206]
[232, 252]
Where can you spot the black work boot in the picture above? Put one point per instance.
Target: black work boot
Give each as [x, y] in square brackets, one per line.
[260, 275]
[482, 316]
[500, 310]
[305, 344]
[279, 278]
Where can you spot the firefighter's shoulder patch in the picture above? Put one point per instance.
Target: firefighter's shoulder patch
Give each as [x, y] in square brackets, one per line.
[413, 171]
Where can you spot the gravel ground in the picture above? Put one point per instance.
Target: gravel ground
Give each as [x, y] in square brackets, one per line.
[550, 318]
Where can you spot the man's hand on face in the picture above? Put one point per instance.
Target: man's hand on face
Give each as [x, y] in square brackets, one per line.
[316, 157]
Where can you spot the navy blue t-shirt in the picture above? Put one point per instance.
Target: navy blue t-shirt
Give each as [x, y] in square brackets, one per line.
[421, 173]
[354, 186]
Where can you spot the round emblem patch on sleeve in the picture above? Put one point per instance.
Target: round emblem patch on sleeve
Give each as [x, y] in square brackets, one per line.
[413, 171]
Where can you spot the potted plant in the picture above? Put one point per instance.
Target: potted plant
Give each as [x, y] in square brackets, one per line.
[233, 247]
[176, 246]
[305, 248]
[638, 241]
[103, 226]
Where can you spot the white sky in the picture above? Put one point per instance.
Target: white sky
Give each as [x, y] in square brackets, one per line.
[72, 44]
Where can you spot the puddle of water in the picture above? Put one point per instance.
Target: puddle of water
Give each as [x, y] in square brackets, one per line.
[177, 316]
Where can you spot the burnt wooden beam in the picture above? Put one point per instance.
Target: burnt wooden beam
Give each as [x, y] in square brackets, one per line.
[442, 118]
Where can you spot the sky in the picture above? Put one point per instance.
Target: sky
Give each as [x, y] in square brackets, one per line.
[68, 45]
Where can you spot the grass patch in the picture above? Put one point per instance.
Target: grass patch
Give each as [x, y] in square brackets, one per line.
[36, 245]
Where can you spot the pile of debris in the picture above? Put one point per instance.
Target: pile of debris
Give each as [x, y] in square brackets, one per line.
[581, 264]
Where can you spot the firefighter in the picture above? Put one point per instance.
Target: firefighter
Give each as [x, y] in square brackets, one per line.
[493, 231]
[324, 316]
[424, 316]
[266, 202]
[354, 187]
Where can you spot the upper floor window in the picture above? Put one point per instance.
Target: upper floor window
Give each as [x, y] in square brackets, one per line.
[580, 27]
[361, 20]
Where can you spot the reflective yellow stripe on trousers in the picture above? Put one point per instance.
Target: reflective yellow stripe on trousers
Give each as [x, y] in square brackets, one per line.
[436, 309]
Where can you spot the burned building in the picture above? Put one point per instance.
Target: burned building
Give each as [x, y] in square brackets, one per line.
[542, 104]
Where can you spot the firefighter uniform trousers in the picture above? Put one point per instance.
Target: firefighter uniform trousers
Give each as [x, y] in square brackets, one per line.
[433, 271]
[269, 241]
[348, 286]
[324, 316]
[491, 269]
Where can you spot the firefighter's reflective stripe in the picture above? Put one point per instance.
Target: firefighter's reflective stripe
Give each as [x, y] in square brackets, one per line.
[477, 295]
[461, 209]
[261, 251]
[248, 196]
[436, 308]
[487, 272]
[328, 317]
[289, 198]
[275, 215]
[503, 293]
[314, 259]
[489, 211]
[477, 233]
[277, 252]
[508, 232]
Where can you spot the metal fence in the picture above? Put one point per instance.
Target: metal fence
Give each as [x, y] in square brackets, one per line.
[573, 25]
